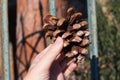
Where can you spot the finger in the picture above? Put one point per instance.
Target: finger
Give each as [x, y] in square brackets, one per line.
[38, 57]
[65, 62]
[70, 69]
[41, 54]
[53, 52]
[60, 57]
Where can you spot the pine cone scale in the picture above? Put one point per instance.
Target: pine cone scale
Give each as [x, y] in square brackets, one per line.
[74, 32]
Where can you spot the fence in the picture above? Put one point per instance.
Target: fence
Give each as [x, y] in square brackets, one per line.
[4, 38]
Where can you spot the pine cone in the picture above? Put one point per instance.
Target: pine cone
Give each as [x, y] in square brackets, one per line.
[73, 30]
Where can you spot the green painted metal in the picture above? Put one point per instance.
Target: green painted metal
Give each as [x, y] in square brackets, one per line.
[52, 7]
[93, 38]
[92, 27]
[1, 60]
[52, 10]
[5, 39]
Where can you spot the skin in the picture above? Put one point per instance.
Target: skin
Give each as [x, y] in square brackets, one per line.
[48, 66]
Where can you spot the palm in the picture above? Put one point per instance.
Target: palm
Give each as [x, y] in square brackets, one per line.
[46, 65]
[57, 72]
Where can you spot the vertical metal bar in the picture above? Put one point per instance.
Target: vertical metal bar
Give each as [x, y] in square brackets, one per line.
[52, 7]
[52, 10]
[93, 38]
[5, 39]
[1, 60]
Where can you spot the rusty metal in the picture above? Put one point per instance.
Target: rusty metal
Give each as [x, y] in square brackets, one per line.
[4, 39]
[93, 38]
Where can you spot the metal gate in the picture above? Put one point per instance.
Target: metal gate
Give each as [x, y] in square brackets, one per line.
[4, 38]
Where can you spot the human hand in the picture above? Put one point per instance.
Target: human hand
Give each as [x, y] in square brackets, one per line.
[46, 65]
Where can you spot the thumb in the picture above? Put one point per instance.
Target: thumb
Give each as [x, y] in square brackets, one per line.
[53, 51]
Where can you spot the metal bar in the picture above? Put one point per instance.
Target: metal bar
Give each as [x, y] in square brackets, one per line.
[93, 38]
[52, 7]
[5, 39]
[1, 60]
[52, 10]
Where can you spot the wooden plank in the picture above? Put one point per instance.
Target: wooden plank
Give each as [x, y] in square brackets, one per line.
[30, 37]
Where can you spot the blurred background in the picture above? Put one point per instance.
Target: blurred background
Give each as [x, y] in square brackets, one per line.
[26, 39]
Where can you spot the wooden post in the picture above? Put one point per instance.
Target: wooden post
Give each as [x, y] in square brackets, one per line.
[30, 37]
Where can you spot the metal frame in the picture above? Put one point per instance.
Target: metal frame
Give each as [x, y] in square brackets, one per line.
[5, 39]
[52, 10]
[52, 7]
[91, 5]
[1, 60]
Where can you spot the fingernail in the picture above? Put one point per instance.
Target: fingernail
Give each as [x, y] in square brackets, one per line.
[58, 40]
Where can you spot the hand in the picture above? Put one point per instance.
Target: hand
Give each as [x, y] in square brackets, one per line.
[46, 65]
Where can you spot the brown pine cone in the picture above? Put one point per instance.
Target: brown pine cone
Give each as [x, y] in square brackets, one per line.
[73, 30]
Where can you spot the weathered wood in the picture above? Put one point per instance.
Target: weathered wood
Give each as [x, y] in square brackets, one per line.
[30, 37]
[11, 62]
[30, 40]
[61, 8]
